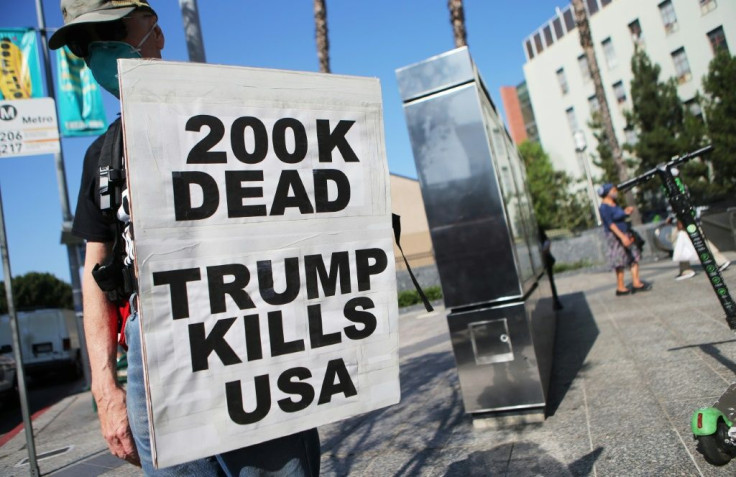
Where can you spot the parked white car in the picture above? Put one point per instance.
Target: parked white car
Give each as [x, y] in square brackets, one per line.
[49, 341]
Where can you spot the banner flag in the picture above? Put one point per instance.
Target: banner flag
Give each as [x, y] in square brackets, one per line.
[79, 98]
[263, 251]
[20, 70]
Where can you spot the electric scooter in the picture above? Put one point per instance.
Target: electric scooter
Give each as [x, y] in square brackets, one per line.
[713, 427]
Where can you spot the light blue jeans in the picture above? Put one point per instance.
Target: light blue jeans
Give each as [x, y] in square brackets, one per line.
[296, 455]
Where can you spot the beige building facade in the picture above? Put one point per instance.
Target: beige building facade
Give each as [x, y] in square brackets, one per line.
[406, 201]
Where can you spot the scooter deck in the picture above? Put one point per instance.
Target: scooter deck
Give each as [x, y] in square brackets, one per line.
[727, 403]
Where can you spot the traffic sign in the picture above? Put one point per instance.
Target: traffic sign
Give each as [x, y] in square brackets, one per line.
[28, 127]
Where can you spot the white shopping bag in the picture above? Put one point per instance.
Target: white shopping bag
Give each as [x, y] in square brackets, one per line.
[683, 249]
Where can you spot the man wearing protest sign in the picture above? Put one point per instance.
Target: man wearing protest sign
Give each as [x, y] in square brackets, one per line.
[101, 32]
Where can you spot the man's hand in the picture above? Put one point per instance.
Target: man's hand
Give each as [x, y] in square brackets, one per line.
[113, 416]
[627, 241]
[629, 210]
[100, 328]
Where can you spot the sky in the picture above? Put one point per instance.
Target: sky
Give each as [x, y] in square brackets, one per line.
[367, 38]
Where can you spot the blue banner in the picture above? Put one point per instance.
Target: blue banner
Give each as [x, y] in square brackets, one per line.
[79, 99]
[20, 71]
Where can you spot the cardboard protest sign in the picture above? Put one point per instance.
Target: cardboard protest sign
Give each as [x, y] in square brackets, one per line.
[263, 243]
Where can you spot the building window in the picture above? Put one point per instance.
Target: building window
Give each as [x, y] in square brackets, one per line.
[707, 5]
[584, 68]
[529, 49]
[557, 24]
[693, 106]
[717, 40]
[609, 52]
[562, 80]
[667, 11]
[548, 35]
[619, 91]
[605, 2]
[636, 35]
[538, 42]
[682, 67]
[594, 104]
[571, 119]
[592, 6]
[569, 19]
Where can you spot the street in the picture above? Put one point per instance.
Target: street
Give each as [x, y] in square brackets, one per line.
[43, 392]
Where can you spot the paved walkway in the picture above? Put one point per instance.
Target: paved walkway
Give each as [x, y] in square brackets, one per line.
[628, 373]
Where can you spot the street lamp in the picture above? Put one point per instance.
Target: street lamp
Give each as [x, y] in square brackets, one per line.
[580, 146]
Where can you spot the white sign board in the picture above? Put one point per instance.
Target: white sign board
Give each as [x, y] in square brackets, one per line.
[264, 251]
[28, 127]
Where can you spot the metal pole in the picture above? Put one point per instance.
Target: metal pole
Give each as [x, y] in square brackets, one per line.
[71, 248]
[16, 346]
[60, 170]
[192, 30]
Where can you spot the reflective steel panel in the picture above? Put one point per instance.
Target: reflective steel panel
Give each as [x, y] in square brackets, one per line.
[484, 235]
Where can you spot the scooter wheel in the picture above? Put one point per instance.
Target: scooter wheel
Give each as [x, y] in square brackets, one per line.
[712, 446]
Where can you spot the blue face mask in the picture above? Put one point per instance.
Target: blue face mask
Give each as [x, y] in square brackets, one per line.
[103, 57]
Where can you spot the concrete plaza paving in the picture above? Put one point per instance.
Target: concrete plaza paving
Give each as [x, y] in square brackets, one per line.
[628, 373]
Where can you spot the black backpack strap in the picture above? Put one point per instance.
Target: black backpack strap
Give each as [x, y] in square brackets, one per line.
[113, 277]
[111, 171]
[396, 222]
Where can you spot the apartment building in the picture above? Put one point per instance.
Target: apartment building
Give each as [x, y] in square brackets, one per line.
[519, 113]
[679, 35]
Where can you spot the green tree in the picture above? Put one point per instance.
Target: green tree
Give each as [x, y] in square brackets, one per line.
[719, 106]
[603, 157]
[665, 128]
[695, 173]
[656, 113]
[37, 290]
[554, 206]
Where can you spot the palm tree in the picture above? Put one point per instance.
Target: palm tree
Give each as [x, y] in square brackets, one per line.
[457, 18]
[192, 30]
[586, 41]
[323, 44]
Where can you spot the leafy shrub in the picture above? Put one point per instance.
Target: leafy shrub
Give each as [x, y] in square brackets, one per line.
[566, 267]
[433, 293]
[411, 297]
[408, 298]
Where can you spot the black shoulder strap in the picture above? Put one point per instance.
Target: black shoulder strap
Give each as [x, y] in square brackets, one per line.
[396, 222]
[113, 277]
[111, 172]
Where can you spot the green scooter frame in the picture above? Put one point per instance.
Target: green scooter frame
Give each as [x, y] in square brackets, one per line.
[710, 425]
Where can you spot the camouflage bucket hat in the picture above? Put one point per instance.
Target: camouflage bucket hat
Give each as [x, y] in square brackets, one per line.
[76, 12]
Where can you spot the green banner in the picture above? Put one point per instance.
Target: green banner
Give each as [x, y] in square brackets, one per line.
[20, 71]
[79, 99]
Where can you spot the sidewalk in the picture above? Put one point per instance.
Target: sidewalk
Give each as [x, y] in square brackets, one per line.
[628, 373]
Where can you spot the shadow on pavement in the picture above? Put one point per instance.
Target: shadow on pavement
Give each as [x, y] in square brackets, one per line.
[420, 433]
[713, 351]
[43, 391]
[576, 333]
[430, 409]
[528, 459]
